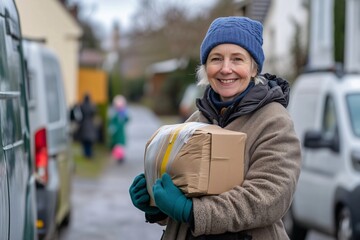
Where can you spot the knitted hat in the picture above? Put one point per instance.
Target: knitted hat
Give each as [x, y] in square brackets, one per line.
[241, 31]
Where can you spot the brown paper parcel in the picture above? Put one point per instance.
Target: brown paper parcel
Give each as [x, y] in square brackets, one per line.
[202, 159]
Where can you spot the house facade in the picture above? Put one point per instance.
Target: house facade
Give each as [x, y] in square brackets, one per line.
[285, 30]
[49, 21]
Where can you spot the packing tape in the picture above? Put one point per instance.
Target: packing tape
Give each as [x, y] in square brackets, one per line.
[165, 159]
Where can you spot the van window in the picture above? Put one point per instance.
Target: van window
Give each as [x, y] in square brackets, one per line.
[29, 85]
[3, 52]
[353, 102]
[329, 120]
[51, 83]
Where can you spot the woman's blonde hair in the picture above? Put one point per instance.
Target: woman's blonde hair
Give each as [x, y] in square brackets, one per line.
[202, 79]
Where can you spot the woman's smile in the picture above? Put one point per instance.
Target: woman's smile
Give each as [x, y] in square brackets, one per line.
[227, 81]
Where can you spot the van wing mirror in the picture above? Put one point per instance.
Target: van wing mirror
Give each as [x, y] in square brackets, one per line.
[314, 139]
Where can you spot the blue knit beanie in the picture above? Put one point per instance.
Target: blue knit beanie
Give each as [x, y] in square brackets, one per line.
[241, 31]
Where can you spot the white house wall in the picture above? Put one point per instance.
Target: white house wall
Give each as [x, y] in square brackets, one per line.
[352, 35]
[279, 32]
[321, 42]
[49, 20]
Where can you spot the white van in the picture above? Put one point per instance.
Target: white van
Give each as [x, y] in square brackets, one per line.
[50, 137]
[325, 108]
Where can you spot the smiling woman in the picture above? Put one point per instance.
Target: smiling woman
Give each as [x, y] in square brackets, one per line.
[240, 99]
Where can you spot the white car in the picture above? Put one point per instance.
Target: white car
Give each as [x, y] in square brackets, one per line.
[325, 108]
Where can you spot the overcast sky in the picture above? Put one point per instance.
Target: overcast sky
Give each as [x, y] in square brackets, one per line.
[108, 11]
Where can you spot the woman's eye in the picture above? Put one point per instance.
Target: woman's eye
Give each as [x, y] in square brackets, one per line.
[238, 59]
[215, 59]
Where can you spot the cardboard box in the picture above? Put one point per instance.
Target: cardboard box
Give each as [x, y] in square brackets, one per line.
[202, 159]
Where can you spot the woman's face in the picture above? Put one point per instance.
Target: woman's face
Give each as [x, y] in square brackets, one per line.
[229, 69]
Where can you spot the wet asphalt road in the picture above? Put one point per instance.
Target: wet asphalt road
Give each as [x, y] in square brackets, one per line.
[102, 209]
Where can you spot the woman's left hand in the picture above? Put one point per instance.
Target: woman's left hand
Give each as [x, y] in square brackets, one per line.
[171, 200]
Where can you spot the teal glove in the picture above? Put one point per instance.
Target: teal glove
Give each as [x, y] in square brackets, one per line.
[140, 197]
[170, 200]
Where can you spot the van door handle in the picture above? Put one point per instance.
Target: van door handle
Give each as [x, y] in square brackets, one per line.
[10, 27]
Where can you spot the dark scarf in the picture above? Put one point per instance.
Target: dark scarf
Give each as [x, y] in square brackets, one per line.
[273, 89]
[219, 104]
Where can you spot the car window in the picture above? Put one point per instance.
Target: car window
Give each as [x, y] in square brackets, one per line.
[353, 102]
[51, 83]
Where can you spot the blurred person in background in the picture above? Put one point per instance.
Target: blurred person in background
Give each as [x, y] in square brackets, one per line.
[75, 119]
[238, 98]
[118, 118]
[87, 131]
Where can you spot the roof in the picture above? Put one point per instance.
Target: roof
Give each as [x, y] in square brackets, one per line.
[256, 9]
[91, 57]
[167, 66]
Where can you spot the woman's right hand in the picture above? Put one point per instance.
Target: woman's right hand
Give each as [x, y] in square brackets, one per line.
[140, 196]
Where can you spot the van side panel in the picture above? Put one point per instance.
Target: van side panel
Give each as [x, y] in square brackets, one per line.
[306, 106]
[317, 105]
[4, 190]
[306, 111]
[58, 133]
[48, 111]
[15, 166]
[11, 131]
[4, 196]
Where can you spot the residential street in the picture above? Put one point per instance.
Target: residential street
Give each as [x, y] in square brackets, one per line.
[102, 209]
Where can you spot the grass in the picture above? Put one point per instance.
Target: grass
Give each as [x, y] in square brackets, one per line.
[90, 168]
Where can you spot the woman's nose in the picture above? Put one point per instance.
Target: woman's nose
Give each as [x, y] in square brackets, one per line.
[226, 67]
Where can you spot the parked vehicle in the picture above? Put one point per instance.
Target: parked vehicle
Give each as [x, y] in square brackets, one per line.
[17, 177]
[327, 119]
[51, 140]
[325, 107]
